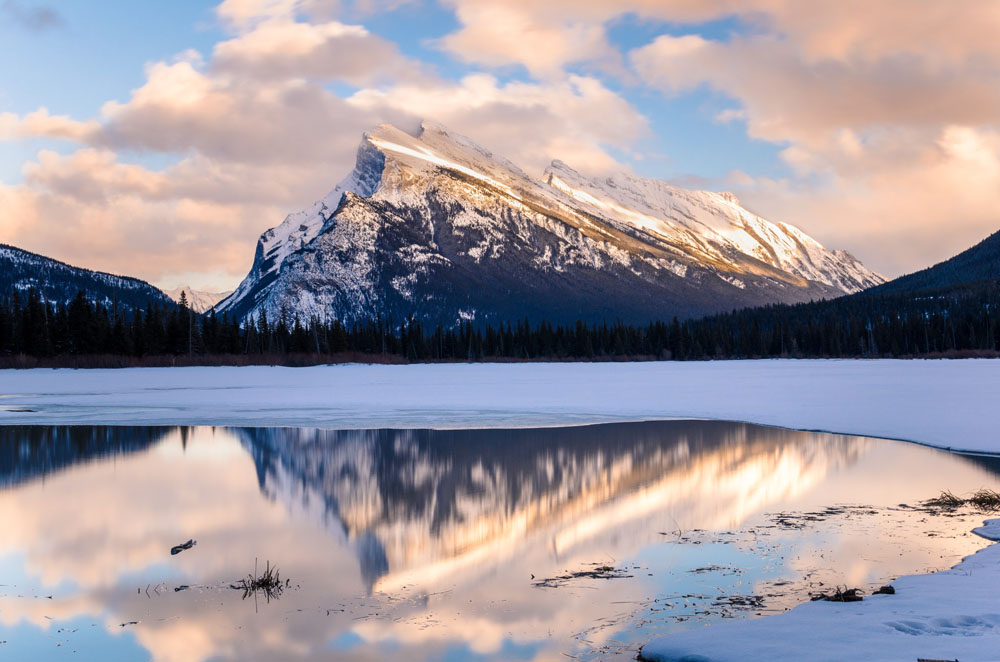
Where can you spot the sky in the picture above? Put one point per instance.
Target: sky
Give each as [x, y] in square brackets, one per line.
[159, 139]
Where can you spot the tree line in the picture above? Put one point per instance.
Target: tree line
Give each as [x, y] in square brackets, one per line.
[948, 320]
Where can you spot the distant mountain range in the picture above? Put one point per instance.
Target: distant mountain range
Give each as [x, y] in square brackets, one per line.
[199, 301]
[947, 308]
[437, 227]
[58, 282]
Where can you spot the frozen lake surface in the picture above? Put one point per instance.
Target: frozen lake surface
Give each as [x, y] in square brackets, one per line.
[454, 544]
[949, 404]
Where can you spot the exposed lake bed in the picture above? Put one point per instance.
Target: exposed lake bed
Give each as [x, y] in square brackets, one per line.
[464, 544]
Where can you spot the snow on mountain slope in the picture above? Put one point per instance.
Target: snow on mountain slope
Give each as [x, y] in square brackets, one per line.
[198, 301]
[58, 282]
[711, 225]
[435, 226]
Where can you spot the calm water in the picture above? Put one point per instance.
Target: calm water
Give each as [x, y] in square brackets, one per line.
[453, 545]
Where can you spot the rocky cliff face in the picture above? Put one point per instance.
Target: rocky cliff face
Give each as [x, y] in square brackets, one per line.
[437, 227]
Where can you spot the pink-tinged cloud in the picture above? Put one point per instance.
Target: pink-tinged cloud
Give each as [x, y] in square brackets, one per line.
[886, 114]
[257, 134]
[286, 49]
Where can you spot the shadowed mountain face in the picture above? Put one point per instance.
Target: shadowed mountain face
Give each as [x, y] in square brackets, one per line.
[58, 282]
[435, 226]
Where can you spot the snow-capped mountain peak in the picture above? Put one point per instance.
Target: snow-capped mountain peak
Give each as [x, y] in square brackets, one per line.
[199, 301]
[434, 225]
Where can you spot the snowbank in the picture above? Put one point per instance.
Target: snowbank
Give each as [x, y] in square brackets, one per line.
[941, 403]
[944, 616]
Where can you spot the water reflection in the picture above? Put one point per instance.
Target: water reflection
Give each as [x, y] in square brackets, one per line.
[419, 505]
[426, 541]
[32, 452]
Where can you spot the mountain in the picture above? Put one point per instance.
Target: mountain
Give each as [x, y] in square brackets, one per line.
[437, 227]
[198, 301]
[947, 309]
[975, 265]
[58, 282]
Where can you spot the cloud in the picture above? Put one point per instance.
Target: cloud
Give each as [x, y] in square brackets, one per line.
[900, 211]
[786, 97]
[181, 109]
[284, 49]
[538, 35]
[862, 98]
[40, 123]
[89, 209]
[500, 33]
[241, 15]
[888, 125]
[574, 120]
[37, 18]
[886, 117]
[254, 131]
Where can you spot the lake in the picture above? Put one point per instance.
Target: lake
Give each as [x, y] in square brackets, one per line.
[550, 543]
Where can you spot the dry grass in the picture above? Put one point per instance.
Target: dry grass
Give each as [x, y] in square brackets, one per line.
[269, 583]
[985, 500]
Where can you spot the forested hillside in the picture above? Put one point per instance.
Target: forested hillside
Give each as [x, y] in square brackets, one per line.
[948, 309]
[58, 282]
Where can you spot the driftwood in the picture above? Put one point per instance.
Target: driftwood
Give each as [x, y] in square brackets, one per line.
[841, 595]
[598, 572]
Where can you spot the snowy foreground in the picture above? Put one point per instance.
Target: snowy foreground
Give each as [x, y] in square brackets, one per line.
[945, 616]
[951, 404]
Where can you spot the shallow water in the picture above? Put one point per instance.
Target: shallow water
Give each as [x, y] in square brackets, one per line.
[453, 545]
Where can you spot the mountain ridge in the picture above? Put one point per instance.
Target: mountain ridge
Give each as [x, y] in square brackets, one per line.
[436, 226]
[980, 262]
[59, 282]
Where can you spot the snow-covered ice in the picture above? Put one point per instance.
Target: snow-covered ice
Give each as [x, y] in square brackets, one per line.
[948, 615]
[950, 404]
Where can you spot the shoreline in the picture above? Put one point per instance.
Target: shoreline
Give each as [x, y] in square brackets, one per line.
[927, 403]
[942, 404]
[923, 619]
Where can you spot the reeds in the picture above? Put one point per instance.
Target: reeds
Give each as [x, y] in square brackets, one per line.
[269, 583]
[984, 499]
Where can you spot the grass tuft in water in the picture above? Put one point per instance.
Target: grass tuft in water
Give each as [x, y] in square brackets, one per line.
[985, 500]
[269, 582]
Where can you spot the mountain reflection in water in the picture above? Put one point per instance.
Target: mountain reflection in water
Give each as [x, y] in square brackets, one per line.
[427, 539]
[420, 502]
